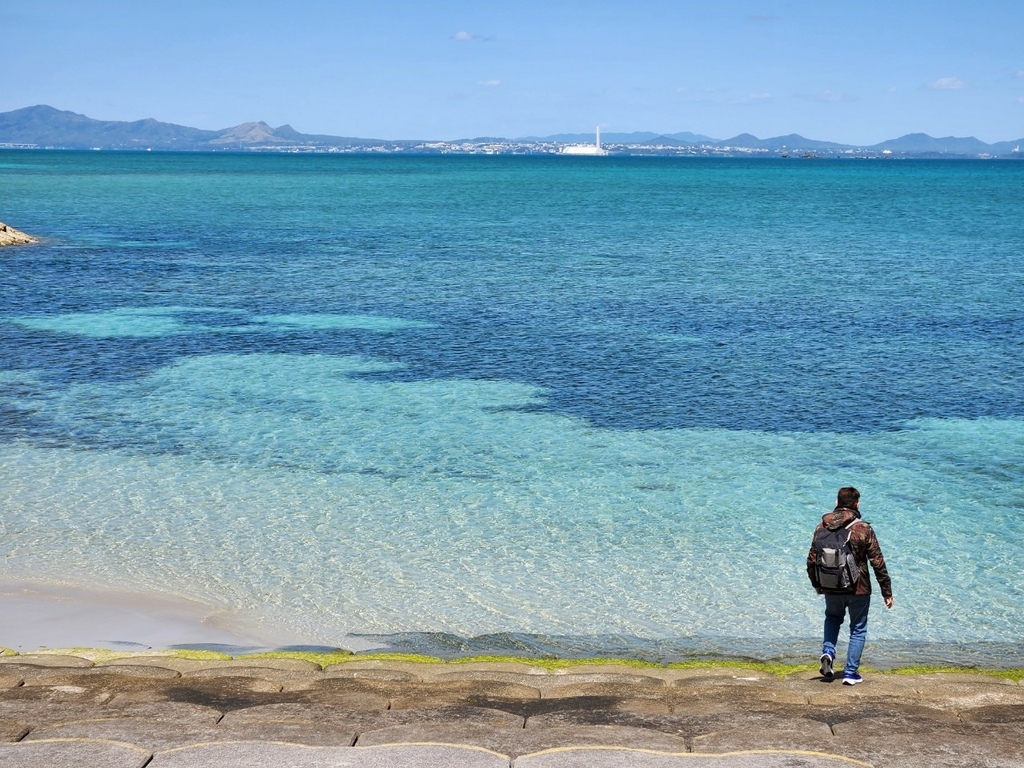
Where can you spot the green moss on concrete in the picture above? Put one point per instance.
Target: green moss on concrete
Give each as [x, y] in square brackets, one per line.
[767, 667]
[1017, 675]
[342, 656]
[554, 663]
[415, 658]
[323, 658]
[197, 655]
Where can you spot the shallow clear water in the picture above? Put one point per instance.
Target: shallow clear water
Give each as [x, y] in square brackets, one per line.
[574, 405]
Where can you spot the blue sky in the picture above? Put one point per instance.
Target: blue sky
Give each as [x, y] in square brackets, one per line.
[857, 73]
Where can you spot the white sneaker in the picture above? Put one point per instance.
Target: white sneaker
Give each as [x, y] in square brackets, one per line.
[826, 665]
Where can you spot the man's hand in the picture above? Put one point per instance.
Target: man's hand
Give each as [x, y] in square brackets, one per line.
[888, 602]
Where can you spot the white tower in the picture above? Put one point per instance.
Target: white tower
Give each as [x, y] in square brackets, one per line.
[586, 149]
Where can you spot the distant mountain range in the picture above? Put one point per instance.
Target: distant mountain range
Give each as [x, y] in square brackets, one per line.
[46, 127]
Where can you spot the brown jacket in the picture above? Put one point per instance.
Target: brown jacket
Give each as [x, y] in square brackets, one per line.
[865, 549]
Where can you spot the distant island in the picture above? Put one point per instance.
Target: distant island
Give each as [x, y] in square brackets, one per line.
[44, 127]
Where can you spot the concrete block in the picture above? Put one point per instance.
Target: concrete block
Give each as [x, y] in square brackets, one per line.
[747, 732]
[698, 698]
[517, 667]
[716, 674]
[679, 727]
[10, 680]
[37, 714]
[128, 670]
[351, 700]
[157, 736]
[166, 661]
[662, 673]
[609, 690]
[515, 741]
[294, 712]
[338, 717]
[996, 713]
[30, 672]
[537, 739]
[46, 660]
[253, 755]
[605, 678]
[418, 756]
[72, 754]
[965, 692]
[359, 673]
[490, 676]
[281, 664]
[12, 730]
[221, 693]
[901, 742]
[621, 758]
[181, 713]
[412, 670]
[68, 692]
[558, 684]
[503, 739]
[460, 693]
[290, 678]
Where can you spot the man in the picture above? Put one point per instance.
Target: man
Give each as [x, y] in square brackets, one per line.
[865, 548]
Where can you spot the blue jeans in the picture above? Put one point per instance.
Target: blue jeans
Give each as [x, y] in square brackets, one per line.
[836, 607]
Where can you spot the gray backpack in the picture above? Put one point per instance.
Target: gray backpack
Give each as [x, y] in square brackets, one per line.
[834, 563]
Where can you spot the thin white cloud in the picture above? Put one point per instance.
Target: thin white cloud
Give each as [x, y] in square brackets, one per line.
[832, 97]
[947, 84]
[1019, 73]
[464, 37]
[490, 83]
[712, 97]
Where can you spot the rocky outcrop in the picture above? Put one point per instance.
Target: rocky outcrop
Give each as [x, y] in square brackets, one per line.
[11, 236]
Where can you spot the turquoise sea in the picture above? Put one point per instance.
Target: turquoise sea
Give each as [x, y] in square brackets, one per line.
[518, 404]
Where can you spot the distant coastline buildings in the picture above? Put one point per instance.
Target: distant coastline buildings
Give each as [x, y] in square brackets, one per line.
[43, 127]
[585, 149]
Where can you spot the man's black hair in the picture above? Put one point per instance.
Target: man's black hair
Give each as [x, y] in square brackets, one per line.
[848, 497]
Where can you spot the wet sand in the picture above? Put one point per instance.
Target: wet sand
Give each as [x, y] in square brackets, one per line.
[38, 617]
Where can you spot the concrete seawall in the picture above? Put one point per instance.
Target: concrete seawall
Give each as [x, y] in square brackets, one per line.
[75, 708]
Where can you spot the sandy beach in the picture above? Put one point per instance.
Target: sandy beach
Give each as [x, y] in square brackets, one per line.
[39, 617]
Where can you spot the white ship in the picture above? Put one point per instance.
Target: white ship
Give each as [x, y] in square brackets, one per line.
[586, 149]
